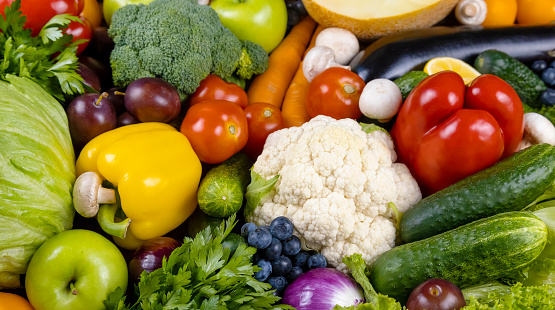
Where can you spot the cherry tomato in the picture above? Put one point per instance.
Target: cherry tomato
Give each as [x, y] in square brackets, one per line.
[263, 119]
[9, 301]
[217, 129]
[80, 31]
[93, 12]
[335, 93]
[214, 88]
[39, 12]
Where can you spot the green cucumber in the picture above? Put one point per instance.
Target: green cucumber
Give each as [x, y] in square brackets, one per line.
[525, 82]
[509, 185]
[221, 191]
[484, 250]
[408, 81]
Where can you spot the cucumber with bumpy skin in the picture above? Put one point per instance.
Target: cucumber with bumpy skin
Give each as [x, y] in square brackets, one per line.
[484, 250]
[525, 82]
[509, 185]
[221, 191]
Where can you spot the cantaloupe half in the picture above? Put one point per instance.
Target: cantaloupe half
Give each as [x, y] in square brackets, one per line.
[369, 19]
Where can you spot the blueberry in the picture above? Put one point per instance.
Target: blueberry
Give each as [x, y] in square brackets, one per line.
[273, 251]
[538, 66]
[317, 261]
[246, 229]
[300, 259]
[279, 283]
[552, 64]
[263, 274]
[281, 228]
[259, 238]
[281, 266]
[294, 273]
[548, 97]
[548, 76]
[292, 245]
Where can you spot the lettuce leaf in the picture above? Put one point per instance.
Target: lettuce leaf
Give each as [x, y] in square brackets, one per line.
[520, 297]
[37, 172]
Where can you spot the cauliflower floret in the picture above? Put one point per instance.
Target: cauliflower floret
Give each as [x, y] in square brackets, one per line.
[335, 183]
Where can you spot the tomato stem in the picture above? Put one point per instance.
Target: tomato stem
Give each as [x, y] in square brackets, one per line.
[232, 130]
[349, 89]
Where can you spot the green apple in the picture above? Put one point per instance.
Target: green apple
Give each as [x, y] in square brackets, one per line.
[76, 269]
[260, 21]
[110, 6]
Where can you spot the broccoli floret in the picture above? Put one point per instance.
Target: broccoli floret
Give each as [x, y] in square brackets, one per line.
[254, 60]
[179, 41]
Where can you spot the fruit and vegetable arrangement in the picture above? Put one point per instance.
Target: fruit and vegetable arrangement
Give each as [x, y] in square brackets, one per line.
[277, 154]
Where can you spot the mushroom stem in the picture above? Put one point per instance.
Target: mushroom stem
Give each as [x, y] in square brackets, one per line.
[106, 215]
[88, 194]
[471, 12]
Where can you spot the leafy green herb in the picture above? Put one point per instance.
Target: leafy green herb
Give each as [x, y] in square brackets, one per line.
[49, 59]
[257, 190]
[202, 274]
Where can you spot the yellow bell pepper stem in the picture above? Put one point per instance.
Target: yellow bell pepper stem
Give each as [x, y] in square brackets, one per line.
[156, 173]
[106, 215]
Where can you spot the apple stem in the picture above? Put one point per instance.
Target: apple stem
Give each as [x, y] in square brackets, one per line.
[106, 219]
[73, 289]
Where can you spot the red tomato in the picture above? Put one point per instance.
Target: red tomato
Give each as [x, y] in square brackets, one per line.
[214, 88]
[80, 31]
[335, 93]
[217, 129]
[263, 119]
[39, 12]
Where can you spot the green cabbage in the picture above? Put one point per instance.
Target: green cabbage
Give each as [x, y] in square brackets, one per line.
[37, 172]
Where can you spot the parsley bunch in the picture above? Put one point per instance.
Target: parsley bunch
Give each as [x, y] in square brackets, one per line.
[202, 274]
[49, 59]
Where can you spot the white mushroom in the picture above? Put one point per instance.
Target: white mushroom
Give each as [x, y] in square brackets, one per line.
[343, 43]
[88, 194]
[380, 99]
[471, 12]
[537, 130]
[318, 59]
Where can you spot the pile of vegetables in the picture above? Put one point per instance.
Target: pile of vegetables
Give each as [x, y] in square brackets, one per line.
[324, 173]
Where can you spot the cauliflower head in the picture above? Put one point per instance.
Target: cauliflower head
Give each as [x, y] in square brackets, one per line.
[335, 182]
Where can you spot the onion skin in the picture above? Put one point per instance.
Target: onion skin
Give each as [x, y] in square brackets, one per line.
[323, 289]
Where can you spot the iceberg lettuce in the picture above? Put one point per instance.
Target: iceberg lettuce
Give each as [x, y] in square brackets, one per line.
[37, 172]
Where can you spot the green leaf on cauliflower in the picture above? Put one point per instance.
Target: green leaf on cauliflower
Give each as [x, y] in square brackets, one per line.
[368, 128]
[37, 165]
[257, 190]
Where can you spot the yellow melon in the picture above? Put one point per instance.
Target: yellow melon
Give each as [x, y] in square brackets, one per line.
[369, 19]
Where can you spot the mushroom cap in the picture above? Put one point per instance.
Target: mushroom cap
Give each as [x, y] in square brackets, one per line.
[85, 194]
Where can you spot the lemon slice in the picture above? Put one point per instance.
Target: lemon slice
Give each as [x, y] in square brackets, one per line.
[466, 71]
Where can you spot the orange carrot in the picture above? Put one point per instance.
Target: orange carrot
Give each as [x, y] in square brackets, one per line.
[294, 105]
[270, 87]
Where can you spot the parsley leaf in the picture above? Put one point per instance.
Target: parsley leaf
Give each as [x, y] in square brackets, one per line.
[49, 59]
[202, 274]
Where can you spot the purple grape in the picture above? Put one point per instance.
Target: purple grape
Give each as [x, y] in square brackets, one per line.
[90, 115]
[152, 100]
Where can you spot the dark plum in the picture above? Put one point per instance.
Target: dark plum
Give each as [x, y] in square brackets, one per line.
[152, 100]
[117, 98]
[436, 294]
[90, 78]
[148, 257]
[90, 115]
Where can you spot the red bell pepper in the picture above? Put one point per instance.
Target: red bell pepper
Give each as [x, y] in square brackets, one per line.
[445, 131]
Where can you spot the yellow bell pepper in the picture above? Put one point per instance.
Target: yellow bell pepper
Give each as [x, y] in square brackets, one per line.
[156, 173]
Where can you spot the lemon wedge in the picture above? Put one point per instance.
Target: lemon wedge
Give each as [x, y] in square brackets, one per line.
[466, 71]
